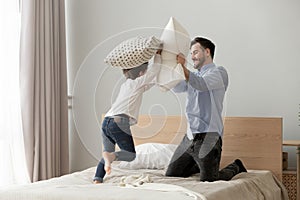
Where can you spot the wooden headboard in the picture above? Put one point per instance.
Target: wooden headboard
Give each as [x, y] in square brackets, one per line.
[257, 141]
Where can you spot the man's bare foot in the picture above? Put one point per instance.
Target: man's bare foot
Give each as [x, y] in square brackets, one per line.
[108, 158]
[96, 182]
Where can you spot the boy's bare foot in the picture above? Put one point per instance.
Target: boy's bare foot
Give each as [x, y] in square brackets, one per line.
[96, 182]
[108, 158]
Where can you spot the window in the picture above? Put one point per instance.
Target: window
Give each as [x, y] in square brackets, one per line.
[13, 168]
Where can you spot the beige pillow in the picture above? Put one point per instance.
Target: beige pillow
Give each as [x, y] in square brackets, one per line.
[176, 40]
[133, 52]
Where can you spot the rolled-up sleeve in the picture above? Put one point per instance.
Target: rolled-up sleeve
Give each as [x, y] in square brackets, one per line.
[214, 79]
[180, 87]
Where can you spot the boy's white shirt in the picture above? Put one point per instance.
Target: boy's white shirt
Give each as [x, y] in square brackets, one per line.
[130, 96]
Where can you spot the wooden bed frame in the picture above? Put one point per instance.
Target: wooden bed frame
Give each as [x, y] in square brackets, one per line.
[257, 141]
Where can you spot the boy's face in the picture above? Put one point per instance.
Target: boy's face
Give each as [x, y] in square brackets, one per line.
[142, 72]
[125, 73]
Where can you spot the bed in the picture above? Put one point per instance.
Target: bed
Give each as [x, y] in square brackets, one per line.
[257, 141]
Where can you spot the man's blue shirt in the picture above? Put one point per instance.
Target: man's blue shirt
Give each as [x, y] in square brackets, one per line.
[205, 95]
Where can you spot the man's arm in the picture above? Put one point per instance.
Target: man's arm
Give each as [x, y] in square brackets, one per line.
[215, 79]
[181, 60]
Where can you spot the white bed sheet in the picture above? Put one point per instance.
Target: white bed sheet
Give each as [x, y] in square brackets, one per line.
[252, 185]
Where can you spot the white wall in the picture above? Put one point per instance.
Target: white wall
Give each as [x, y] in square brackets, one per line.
[257, 41]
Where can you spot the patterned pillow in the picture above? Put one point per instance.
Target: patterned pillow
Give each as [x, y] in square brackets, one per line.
[133, 52]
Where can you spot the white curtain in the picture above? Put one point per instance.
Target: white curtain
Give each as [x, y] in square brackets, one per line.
[13, 168]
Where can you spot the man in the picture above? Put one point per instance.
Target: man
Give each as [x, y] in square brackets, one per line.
[200, 149]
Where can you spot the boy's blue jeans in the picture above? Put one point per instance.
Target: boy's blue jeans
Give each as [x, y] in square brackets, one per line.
[116, 130]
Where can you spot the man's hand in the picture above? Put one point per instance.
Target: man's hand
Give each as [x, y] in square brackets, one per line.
[181, 59]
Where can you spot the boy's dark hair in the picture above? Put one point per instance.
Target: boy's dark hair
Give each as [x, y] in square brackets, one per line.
[205, 43]
[133, 73]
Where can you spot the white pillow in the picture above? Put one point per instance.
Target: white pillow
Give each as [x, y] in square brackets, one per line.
[133, 52]
[175, 40]
[151, 156]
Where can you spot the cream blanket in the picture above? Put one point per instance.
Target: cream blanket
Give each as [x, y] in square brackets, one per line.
[148, 184]
[138, 182]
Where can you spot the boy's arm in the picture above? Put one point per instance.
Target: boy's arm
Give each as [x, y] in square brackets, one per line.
[152, 71]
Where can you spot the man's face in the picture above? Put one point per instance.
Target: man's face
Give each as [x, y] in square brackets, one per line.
[198, 55]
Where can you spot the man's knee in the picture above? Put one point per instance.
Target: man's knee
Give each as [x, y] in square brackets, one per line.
[131, 157]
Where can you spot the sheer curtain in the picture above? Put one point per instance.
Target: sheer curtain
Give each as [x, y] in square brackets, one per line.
[13, 169]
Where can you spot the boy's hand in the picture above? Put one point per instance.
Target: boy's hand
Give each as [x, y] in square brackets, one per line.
[159, 50]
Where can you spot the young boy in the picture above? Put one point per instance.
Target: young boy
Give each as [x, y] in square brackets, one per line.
[124, 113]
